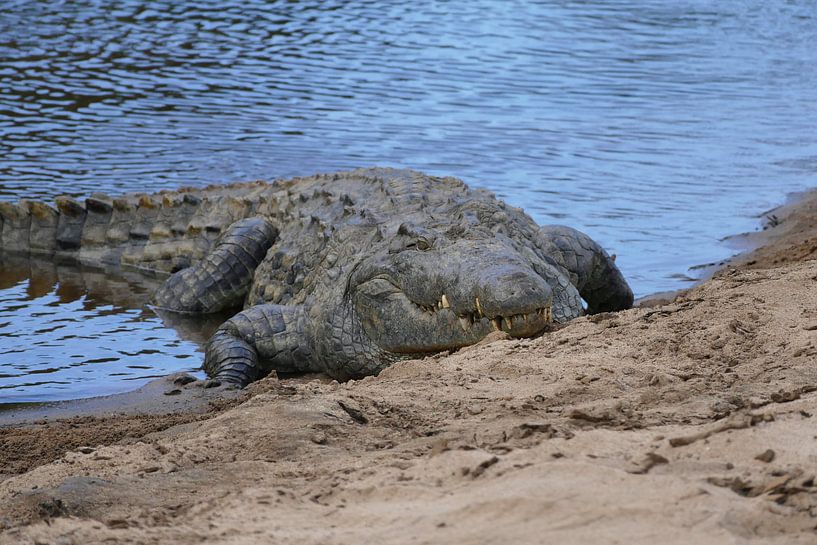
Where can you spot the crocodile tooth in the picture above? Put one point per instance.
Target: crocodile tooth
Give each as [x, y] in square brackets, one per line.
[464, 323]
[444, 301]
[509, 319]
[479, 307]
[496, 323]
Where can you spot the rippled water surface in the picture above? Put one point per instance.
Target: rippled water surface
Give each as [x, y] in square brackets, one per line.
[71, 332]
[657, 127]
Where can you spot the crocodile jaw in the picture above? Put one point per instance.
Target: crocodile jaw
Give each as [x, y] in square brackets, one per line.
[399, 325]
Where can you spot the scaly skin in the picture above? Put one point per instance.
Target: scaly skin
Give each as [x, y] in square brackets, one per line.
[343, 273]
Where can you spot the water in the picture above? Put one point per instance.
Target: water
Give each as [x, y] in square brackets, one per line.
[657, 127]
[72, 332]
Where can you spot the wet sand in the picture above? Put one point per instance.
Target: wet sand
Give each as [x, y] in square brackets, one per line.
[687, 421]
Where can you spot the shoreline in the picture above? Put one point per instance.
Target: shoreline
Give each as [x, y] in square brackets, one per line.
[177, 392]
[786, 233]
[684, 420]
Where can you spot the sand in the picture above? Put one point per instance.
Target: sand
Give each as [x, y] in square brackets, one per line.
[690, 421]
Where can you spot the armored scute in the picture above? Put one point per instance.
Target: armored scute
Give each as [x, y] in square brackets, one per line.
[340, 273]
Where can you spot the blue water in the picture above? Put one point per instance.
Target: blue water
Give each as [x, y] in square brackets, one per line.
[69, 332]
[657, 127]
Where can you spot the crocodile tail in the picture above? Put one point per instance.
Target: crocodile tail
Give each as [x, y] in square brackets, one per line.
[166, 231]
[16, 223]
[592, 270]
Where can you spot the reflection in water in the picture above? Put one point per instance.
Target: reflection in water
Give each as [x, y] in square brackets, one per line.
[69, 332]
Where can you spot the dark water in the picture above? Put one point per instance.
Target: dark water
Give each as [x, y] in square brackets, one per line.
[657, 127]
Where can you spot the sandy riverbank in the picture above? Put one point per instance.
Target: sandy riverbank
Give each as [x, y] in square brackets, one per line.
[690, 422]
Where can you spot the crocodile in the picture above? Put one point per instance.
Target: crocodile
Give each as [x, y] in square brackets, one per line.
[343, 273]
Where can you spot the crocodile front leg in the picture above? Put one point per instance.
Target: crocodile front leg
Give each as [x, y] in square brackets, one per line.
[257, 340]
[222, 279]
[592, 270]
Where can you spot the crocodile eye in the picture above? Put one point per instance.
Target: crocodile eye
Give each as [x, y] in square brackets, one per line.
[411, 239]
[420, 244]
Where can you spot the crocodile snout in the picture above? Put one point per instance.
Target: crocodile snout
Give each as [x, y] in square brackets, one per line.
[509, 290]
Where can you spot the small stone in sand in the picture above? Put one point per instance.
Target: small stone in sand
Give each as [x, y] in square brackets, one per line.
[766, 456]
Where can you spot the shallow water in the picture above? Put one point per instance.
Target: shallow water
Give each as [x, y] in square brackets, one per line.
[70, 332]
[657, 127]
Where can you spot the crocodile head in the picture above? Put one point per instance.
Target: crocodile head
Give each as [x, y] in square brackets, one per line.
[425, 291]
